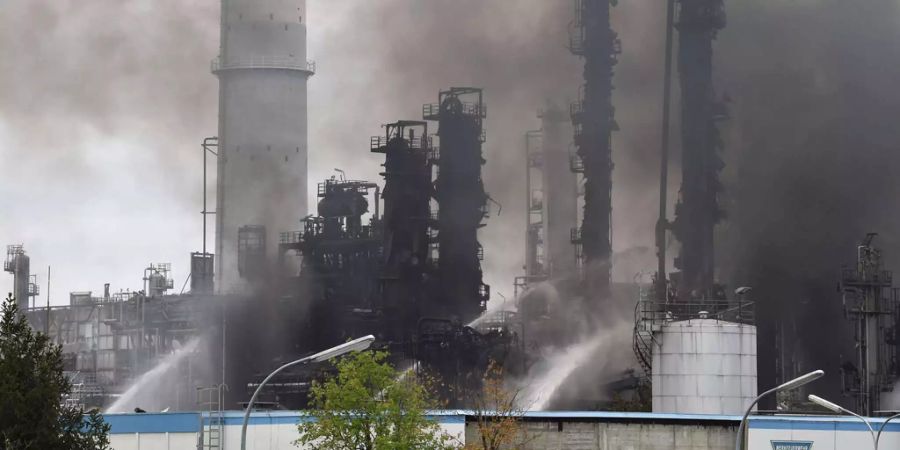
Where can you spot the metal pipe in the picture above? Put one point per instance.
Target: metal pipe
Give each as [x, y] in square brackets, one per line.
[662, 223]
[47, 327]
[377, 202]
[207, 143]
[528, 268]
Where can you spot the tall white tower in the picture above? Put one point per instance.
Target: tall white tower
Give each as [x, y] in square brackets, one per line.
[262, 163]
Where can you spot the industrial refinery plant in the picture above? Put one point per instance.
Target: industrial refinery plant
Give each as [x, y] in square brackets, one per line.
[732, 297]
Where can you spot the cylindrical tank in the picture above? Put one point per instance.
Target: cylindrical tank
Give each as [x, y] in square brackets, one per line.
[560, 193]
[262, 163]
[704, 366]
[21, 276]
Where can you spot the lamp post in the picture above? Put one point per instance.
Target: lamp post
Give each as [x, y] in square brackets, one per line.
[351, 346]
[841, 410]
[793, 384]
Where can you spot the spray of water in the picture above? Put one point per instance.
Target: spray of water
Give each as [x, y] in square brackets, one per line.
[546, 379]
[152, 379]
[891, 400]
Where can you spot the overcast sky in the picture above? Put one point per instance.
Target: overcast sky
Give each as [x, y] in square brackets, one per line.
[103, 106]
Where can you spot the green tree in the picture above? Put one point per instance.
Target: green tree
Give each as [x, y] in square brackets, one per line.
[32, 388]
[368, 405]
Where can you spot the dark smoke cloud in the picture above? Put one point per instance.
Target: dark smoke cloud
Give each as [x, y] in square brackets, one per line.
[104, 105]
[379, 61]
[813, 154]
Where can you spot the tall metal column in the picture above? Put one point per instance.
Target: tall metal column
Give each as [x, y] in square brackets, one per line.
[560, 194]
[459, 191]
[697, 213]
[593, 117]
[406, 246]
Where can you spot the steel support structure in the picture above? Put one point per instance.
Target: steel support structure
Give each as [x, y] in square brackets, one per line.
[870, 302]
[697, 212]
[592, 38]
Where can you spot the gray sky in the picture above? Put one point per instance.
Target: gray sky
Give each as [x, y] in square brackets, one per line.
[103, 105]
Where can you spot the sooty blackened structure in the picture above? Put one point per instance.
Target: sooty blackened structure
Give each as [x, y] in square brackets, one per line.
[407, 217]
[462, 201]
[697, 211]
[338, 256]
[593, 39]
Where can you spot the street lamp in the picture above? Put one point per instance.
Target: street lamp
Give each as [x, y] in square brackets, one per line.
[793, 384]
[351, 346]
[840, 409]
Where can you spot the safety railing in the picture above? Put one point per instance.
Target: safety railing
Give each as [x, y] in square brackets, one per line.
[263, 62]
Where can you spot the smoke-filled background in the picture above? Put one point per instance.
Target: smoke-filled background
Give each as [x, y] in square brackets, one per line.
[814, 160]
[103, 105]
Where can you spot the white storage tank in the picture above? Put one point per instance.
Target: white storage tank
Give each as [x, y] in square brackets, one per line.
[704, 366]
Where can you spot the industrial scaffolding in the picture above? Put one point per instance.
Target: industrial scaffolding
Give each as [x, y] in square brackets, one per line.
[871, 304]
[535, 265]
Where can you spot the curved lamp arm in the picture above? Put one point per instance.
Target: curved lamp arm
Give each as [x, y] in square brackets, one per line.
[792, 384]
[739, 440]
[355, 345]
[881, 428]
[256, 393]
[840, 409]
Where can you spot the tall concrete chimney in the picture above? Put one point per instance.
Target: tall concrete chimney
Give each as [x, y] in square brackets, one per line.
[262, 163]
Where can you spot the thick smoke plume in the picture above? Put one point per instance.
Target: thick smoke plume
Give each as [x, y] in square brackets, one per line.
[813, 157]
[103, 105]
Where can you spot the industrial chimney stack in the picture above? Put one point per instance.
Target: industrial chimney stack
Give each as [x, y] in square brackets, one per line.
[262, 153]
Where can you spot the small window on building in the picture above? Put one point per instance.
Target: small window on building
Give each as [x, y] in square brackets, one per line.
[300, 19]
[268, 148]
[237, 149]
[271, 16]
[298, 149]
[285, 159]
[285, 27]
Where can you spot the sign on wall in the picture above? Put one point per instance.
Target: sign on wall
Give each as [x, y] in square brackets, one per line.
[792, 445]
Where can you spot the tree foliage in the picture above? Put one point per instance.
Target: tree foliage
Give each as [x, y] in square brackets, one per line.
[368, 405]
[32, 388]
[498, 414]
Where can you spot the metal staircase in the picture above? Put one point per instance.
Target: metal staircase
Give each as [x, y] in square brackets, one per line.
[643, 340]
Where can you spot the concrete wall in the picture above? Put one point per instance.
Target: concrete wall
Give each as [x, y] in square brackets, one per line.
[546, 431]
[623, 431]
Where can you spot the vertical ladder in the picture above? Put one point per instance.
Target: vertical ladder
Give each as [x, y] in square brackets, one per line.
[212, 419]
